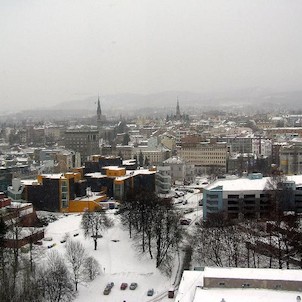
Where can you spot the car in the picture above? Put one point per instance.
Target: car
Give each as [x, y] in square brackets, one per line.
[110, 285]
[133, 286]
[187, 211]
[124, 285]
[185, 202]
[107, 291]
[150, 292]
[200, 202]
[185, 221]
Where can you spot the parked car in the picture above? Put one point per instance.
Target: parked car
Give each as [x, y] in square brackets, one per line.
[133, 286]
[150, 292]
[185, 202]
[110, 285]
[187, 211]
[171, 293]
[107, 291]
[185, 221]
[124, 286]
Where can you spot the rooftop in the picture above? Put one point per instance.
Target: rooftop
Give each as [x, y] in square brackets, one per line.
[245, 184]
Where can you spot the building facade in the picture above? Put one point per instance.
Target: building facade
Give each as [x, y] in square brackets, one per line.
[206, 154]
[248, 197]
[82, 140]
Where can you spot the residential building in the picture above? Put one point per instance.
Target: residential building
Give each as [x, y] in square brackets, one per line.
[287, 132]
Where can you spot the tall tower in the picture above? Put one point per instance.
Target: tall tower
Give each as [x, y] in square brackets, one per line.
[99, 118]
[99, 112]
[177, 110]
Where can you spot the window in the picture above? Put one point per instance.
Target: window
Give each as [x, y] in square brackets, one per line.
[278, 286]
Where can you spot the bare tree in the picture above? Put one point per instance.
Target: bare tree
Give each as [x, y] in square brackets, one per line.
[29, 285]
[154, 222]
[167, 232]
[76, 255]
[93, 223]
[55, 280]
[91, 268]
[279, 199]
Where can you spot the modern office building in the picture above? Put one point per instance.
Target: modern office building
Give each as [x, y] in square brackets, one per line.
[206, 154]
[247, 197]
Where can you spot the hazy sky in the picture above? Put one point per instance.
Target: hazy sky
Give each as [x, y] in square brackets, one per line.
[61, 50]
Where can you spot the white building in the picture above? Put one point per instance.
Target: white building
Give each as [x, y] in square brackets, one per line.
[240, 284]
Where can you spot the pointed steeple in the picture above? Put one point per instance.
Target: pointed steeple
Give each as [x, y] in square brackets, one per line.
[177, 110]
[99, 110]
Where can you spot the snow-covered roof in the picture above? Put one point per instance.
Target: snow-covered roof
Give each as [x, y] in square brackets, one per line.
[253, 273]
[114, 168]
[247, 184]
[95, 175]
[191, 287]
[22, 232]
[239, 295]
[174, 160]
[53, 176]
[29, 182]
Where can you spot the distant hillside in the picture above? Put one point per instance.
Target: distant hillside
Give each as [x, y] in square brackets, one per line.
[160, 104]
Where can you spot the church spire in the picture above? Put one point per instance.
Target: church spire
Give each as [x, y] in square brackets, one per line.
[177, 110]
[99, 110]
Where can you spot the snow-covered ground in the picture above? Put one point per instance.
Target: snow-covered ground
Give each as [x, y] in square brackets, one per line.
[119, 260]
[119, 263]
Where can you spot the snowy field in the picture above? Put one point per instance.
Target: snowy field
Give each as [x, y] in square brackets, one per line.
[118, 258]
[119, 263]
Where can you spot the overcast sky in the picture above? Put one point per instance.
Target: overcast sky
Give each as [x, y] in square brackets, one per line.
[61, 50]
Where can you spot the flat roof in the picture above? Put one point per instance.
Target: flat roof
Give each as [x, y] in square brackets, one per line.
[96, 175]
[191, 287]
[239, 295]
[246, 184]
[253, 273]
[114, 168]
